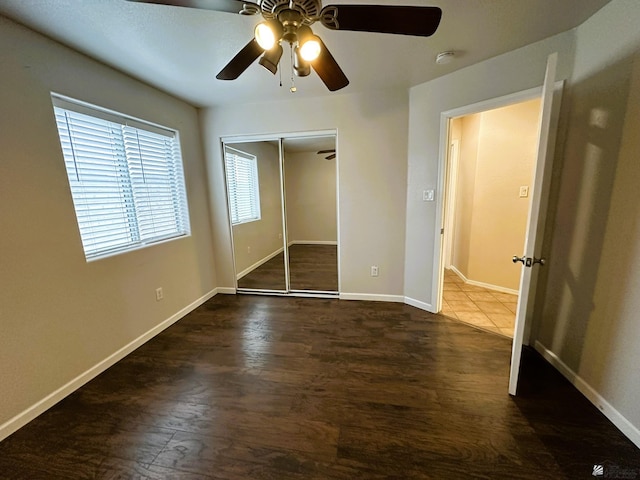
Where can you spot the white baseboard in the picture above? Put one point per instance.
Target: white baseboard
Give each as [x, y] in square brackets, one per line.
[258, 263]
[226, 290]
[313, 242]
[619, 420]
[488, 286]
[374, 297]
[50, 400]
[418, 304]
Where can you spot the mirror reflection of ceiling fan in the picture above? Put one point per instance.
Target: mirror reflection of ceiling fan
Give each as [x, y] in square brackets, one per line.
[332, 153]
[288, 21]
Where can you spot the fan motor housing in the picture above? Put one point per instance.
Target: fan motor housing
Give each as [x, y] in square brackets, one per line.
[310, 9]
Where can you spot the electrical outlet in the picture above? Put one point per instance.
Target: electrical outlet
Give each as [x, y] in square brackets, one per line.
[248, 249]
[279, 236]
[374, 270]
[159, 294]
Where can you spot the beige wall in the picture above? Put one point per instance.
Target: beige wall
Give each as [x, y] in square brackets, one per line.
[468, 135]
[372, 148]
[310, 198]
[589, 292]
[498, 149]
[59, 315]
[506, 74]
[254, 242]
[586, 318]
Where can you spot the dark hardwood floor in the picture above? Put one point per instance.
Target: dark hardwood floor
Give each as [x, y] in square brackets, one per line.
[268, 276]
[311, 267]
[314, 267]
[252, 387]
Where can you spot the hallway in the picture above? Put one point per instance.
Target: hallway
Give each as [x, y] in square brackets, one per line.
[477, 306]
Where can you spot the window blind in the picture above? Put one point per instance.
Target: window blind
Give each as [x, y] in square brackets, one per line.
[126, 181]
[242, 185]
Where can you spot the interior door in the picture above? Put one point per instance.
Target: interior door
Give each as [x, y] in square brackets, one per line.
[532, 260]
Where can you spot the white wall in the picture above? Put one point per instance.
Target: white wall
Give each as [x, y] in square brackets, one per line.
[59, 315]
[311, 198]
[589, 323]
[372, 149]
[512, 72]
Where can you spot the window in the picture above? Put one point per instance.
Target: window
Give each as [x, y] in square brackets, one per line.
[242, 183]
[126, 178]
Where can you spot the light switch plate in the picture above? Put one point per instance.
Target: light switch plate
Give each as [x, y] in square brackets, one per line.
[428, 195]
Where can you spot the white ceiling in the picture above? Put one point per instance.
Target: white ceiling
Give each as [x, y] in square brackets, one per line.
[180, 50]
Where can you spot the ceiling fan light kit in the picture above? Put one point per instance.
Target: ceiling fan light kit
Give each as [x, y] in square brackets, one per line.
[289, 21]
[267, 33]
[301, 66]
[308, 43]
[271, 58]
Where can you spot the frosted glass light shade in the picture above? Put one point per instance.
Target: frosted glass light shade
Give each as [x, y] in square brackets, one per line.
[310, 49]
[265, 36]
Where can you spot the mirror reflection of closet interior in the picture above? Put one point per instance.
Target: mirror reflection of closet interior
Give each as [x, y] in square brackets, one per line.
[284, 226]
[256, 214]
[311, 213]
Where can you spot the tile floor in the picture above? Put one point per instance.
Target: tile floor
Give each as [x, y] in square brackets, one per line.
[481, 307]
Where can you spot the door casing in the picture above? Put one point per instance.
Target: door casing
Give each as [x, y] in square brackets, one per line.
[523, 329]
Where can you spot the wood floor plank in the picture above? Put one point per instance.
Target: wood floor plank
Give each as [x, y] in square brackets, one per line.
[294, 388]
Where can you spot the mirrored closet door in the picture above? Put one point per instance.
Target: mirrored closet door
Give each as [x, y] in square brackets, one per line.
[254, 192]
[282, 195]
[311, 213]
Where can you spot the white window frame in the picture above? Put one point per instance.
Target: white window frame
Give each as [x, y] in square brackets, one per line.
[244, 196]
[126, 178]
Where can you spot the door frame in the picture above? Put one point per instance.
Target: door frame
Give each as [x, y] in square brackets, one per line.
[450, 193]
[437, 281]
[280, 137]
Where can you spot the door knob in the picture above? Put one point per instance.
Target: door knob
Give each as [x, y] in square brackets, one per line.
[517, 259]
[528, 261]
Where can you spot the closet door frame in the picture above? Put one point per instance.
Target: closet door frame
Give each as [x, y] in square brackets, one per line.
[280, 137]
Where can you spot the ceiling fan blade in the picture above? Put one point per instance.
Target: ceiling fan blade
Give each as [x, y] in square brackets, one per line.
[328, 69]
[230, 6]
[403, 20]
[243, 59]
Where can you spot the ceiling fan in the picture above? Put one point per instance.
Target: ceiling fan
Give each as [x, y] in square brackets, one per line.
[289, 21]
[331, 152]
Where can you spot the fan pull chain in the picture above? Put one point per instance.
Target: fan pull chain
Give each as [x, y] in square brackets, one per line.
[293, 88]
